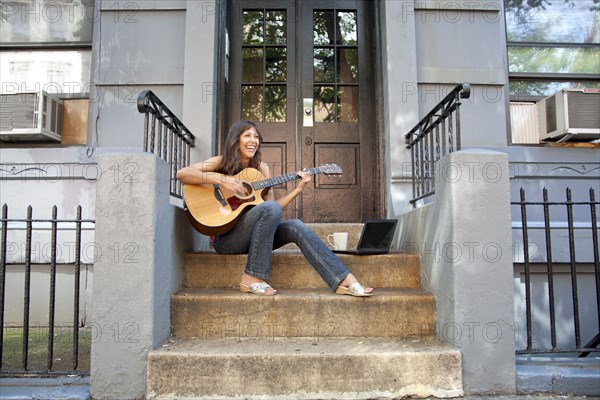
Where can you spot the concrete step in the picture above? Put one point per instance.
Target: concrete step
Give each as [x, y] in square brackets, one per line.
[206, 313]
[303, 368]
[290, 269]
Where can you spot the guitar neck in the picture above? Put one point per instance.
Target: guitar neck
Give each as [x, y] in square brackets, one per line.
[278, 180]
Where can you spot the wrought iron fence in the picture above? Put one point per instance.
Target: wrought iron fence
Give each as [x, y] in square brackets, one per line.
[23, 364]
[550, 266]
[436, 135]
[166, 136]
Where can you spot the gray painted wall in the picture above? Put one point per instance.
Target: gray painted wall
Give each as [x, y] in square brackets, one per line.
[164, 46]
[137, 46]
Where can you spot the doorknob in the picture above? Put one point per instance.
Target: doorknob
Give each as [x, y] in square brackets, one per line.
[307, 105]
[308, 141]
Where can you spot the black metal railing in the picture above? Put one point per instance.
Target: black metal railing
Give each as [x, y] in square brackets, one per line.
[550, 265]
[27, 339]
[166, 136]
[436, 135]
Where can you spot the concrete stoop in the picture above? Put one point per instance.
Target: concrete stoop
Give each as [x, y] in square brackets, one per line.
[303, 368]
[306, 342]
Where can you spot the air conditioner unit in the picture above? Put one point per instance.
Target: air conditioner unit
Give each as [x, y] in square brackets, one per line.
[30, 116]
[570, 114]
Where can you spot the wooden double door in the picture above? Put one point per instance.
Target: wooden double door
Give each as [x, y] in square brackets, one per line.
[304, 72]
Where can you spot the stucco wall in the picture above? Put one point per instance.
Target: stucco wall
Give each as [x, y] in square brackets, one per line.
[463, 240]
[133, 295]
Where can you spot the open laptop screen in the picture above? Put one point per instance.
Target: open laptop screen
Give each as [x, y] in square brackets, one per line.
[377, 234]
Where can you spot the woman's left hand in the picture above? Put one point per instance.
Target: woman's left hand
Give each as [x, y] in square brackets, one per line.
[305, 177]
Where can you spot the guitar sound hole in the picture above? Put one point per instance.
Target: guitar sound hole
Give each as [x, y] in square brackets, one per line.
[248, 189]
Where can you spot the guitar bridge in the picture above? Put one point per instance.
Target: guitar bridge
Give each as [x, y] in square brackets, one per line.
[219, 195]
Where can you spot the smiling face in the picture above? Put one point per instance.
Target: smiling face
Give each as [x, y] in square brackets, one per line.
[248, 144]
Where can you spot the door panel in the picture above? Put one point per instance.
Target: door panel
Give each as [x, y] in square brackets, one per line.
[335, 73]
[287, 54]
[262, 80]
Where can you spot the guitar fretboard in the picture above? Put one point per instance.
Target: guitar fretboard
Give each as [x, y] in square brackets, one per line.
[278, 180]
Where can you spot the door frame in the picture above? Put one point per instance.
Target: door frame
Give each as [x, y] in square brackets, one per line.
[223, 9]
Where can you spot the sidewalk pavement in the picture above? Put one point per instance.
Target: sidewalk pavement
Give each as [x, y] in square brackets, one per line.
[77, 388]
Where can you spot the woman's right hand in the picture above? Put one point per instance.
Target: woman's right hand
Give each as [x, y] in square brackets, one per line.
[234, 186]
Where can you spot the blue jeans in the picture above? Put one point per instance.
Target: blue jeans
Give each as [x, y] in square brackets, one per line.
[261, 230]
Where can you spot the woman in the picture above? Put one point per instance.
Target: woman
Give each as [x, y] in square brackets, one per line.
[260, 230]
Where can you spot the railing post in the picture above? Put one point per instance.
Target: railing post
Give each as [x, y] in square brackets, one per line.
[527, 269]
[52, 290]
[27, 289]
[3, 275]
[76, 290]
[550, 269]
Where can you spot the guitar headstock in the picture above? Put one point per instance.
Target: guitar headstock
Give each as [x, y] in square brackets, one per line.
[331, 169]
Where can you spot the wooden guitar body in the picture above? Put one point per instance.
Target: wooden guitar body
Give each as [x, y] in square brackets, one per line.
[214, 210]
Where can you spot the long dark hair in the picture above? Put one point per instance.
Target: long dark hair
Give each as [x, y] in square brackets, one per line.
[231, 163]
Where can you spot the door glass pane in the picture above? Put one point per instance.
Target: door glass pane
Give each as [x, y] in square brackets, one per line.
[253, 27]
[264, 60]
[324, 66]
[252, 65]
[275, 103]
[276, 64]
[347, 28]
[335, 61]
[276, 27]
[348, 104]
[252, 102]
[347, 65]
[323, 29]
[324, 104]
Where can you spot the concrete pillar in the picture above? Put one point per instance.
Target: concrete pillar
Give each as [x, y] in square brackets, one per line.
[464, 240]
[140, 240]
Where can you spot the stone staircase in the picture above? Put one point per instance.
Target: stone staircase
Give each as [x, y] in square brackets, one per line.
[305, 342]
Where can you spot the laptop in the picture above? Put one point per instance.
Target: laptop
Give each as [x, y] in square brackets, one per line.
[376, 238]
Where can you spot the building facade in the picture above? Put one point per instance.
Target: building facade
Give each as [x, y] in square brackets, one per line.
[338, 81]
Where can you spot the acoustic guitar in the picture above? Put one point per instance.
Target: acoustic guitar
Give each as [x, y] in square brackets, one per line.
[213, 210]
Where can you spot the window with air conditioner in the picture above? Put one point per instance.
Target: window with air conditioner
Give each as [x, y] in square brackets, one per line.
[44, 60]
[30, 116]
[570, 115]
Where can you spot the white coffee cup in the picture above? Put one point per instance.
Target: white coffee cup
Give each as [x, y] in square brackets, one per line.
[340, 240]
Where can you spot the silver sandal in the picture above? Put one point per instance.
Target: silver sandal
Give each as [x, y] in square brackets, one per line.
[259, 288]
[356, 289]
